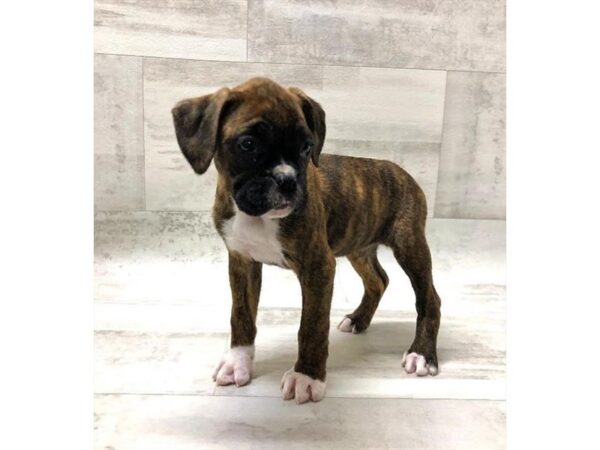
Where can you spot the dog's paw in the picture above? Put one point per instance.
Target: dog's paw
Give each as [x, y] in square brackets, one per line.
[235, 366]
[415, 362]
[301, 387]
[348, 325]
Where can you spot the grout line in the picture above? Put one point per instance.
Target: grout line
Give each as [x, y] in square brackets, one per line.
[437, 181]
[178, 211]
[367, 397]
[305, 64]
[173, 211]
[499, 72]
[157, 394]
[144, 133]
[247, 24]
[225, 395]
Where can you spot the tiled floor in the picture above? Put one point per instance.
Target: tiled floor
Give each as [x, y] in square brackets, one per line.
[162, 303]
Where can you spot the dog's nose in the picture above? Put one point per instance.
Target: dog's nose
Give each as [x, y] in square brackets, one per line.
[286, 183]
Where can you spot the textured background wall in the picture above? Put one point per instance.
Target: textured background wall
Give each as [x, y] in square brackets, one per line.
[420, 82]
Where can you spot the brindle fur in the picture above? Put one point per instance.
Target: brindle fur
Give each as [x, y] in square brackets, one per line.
[351, 205]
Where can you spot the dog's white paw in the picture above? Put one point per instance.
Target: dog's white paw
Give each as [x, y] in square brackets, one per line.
[415, 362]
[346, 326]
[235, 366]
[301, 387]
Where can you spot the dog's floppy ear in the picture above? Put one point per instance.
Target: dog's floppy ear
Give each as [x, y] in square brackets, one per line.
[197, 127]
[315, 119]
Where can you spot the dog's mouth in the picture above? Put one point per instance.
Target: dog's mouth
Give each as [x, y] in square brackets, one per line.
[282, 210]
[283, 205]
[262, 197]
[277, 213]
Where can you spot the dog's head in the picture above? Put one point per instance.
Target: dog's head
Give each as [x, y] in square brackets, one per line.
[261, 135]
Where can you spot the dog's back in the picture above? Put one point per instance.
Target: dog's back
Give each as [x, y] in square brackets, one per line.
[363, 197]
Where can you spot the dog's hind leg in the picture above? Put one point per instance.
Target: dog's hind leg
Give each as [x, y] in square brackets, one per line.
[412, 253]
[375, 281]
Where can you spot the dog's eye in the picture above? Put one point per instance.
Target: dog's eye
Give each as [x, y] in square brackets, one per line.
[247, 144]
[306, 148]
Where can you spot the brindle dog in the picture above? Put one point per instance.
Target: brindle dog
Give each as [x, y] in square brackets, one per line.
[280, 201]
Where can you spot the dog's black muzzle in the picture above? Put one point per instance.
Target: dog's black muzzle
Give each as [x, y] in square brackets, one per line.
[260, 195]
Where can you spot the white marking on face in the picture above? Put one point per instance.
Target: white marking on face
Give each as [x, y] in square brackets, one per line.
[255, 237]
[236, 366]
[284, 168]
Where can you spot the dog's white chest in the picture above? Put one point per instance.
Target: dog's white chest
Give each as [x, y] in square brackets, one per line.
[254, 237]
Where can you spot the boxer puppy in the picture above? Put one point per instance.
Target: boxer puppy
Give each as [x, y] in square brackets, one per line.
[280, 201]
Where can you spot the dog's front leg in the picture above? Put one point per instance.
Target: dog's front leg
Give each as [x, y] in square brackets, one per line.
[245, 278]
[306, 380]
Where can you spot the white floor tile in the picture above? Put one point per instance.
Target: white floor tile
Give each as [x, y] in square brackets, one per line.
[133, 422]
[156, 363]
[174, 258]
[471, 355]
